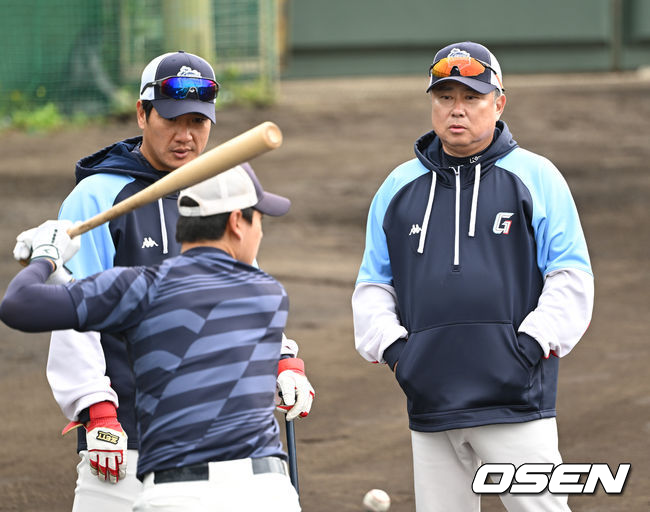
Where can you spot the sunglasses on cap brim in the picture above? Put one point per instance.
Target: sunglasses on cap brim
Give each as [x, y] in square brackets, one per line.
[180, 87]
[461, 66]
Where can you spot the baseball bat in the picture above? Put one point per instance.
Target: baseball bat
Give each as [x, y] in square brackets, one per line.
[246, 146]
[291, 449]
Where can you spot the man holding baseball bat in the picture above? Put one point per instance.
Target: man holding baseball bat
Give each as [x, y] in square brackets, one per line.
[474, 282]
[90, 379]
[204, 332]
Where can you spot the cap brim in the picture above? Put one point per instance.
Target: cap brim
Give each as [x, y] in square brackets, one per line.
[273, 205]
[476, 85]
[169, 108]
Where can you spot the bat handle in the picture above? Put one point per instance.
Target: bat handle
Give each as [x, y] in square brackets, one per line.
[291, 449]
[81, 227]
[72, 232]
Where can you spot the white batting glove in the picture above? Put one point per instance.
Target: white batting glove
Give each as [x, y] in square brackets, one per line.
[107, 442]
[25, 240]
[295, 394]
[49, 240]
[23, 247]
[23, 252]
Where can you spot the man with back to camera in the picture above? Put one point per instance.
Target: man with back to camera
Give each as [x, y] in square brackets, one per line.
[475, 280]
[175, 112]
[204, 331]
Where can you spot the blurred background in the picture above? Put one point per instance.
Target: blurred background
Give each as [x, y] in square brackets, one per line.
[81, 58]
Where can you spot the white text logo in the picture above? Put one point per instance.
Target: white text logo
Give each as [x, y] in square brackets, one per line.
[148, 242]
[457, 53]
[188, 71]
[501, 225]
[537, 478]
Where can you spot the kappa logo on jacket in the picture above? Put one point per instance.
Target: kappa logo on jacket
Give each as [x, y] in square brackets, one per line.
[501, 224]
[148, 242]
[415, 229]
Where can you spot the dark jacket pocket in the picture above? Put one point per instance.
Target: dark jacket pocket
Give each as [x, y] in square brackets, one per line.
[530, 349]
[464, 366]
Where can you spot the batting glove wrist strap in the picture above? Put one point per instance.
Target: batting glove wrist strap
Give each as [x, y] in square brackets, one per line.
[71, 426]
[102, 414]
[291, 363]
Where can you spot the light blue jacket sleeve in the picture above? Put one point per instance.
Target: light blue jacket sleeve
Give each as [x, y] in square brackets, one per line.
[558, 233]
[375, 265]
[91, 196]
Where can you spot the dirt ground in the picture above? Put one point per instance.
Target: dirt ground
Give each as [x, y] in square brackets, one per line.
[342, 137]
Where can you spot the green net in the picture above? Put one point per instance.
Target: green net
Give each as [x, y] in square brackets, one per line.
[87, 55]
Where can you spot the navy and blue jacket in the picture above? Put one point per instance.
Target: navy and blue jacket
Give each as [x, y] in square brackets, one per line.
[466, 249]
[144, 236]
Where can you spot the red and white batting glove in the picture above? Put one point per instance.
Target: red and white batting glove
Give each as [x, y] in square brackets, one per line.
[294, 392]
[107, 442]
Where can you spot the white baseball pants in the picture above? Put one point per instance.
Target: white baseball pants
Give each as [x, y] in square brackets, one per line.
[231, 487]
[444, 464]
[91, 494]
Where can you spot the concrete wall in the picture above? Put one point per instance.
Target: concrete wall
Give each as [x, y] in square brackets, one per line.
[361, 37]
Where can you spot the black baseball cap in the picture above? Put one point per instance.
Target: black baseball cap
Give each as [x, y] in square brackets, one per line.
[176, 64]
[467, 51]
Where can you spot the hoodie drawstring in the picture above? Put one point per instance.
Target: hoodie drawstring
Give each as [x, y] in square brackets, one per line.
[163, 226]
[472, 216]
[457, 219]
[427, 214]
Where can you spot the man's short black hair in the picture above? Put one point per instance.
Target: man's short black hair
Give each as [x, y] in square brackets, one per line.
[147, 106]
[212, 227]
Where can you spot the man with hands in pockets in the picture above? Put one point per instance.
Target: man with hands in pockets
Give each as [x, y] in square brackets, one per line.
[475, 280]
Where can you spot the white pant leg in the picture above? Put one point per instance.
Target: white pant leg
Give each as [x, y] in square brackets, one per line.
[518, 443]
[93, 495]
[443, 470]
[270, 492]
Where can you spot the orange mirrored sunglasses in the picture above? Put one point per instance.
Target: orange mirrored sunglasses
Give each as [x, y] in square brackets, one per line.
[464, 66]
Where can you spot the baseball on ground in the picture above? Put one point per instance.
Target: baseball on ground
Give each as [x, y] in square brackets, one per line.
[376, 500]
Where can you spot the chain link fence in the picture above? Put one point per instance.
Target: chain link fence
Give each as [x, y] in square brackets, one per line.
[86, 56]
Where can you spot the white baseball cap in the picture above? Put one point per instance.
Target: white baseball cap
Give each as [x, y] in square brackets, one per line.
[234, 189]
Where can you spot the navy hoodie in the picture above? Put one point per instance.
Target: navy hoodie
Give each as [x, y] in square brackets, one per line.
[466, 249]
[144, 236]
